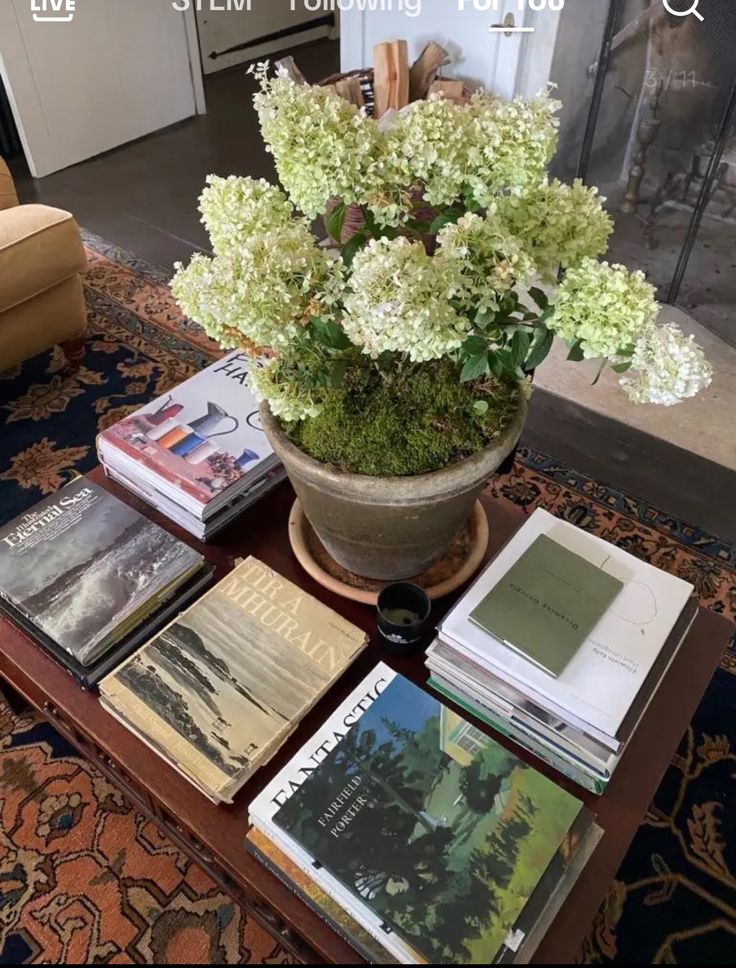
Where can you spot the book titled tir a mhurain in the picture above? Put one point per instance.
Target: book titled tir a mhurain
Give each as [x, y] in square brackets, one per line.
[198, 454]
[437, 842]
[86, 575]
[221, 688]
[576, 708]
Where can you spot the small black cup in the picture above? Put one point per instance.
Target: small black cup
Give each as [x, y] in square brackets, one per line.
[404, 611]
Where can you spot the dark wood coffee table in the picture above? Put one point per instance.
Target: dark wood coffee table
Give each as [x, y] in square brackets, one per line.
[213, 836]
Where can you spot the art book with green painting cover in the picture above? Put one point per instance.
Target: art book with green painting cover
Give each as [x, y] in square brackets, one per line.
[435, 827]
[547, 604]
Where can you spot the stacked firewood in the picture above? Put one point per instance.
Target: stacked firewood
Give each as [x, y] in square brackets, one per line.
[392, 83]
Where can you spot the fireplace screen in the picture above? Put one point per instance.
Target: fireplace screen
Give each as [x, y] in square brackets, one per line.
[660, 143]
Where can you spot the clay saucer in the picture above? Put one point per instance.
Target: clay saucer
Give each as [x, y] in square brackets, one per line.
[454, 569]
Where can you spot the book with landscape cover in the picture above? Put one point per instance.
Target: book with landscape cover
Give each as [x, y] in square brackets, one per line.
[547, 603]
[86, 570]
[438, 829]
[219, 690]
[200, 443]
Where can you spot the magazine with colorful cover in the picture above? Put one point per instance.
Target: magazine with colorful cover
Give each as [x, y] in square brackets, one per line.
[200, 443]
[219, 690]
[86, 569]
[438, 829]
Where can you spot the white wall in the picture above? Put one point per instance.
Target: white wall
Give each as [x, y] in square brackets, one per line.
[518, 64]
[118, 71]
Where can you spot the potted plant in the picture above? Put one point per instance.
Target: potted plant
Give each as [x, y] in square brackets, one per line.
[394, 370]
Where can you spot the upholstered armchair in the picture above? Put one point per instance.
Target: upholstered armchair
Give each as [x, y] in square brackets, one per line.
[41, 297]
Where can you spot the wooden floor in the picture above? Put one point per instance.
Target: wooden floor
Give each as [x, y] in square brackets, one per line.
[143, 196]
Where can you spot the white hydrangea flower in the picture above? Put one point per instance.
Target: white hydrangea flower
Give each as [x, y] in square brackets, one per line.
[262, 293]
[428, 146]
[286, 399]
[234, 209]
[324, 146]
[606, 308]
[399, 300]
[490, 260]
[667, 367]
[560, 224]
[510, 143]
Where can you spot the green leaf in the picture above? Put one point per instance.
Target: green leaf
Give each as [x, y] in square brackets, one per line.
[481, 407]
[337, 374]
[539, 297]
[474, 346]
[336, 220]
[474, 368]
[627, 350]
[330, 334]
[622, 367]
[446, 218]
[520, 343]
[576, 352]
[540, 347]
[484, 317]
[353, 247]
[599, 374]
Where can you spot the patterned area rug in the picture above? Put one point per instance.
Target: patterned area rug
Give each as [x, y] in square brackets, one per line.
[84, 878]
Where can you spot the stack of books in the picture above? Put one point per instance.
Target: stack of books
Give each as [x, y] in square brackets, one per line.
[561, 645]
[417, 837]
[198, 454]
[219, 690]
[91, 579]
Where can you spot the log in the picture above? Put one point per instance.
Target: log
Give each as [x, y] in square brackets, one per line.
[289, 65]
[350, 89]
[425, 69]
[391, 76]
[452, 90]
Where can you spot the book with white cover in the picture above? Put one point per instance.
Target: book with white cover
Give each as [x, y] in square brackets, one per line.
[599, 684]
[199, 445]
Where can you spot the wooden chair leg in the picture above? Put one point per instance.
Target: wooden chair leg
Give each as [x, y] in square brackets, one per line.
[74, 351]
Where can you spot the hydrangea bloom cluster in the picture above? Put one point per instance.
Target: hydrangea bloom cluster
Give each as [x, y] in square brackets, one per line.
[667, 367]
[510, 144]
[490, 261]
[457, 216]
[398, 300]
[560, 224]
[603, 308]
[324, 147]
[235, 209]
[264, 290]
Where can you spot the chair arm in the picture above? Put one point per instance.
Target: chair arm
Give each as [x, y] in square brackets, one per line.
[8, 196]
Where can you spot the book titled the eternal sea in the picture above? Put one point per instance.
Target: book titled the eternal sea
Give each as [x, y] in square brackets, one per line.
[219, 690]
[547, 604]
[438, 829]
[85, 569]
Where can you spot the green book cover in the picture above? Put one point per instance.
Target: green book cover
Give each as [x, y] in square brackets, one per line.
[547, 604]
[441, 831]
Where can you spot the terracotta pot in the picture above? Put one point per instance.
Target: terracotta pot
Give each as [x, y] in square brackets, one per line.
[389, 528]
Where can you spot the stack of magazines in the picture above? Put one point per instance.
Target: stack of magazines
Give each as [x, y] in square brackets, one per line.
[218, 691]
[91, 579]
[198, 454]
[561, 645]
[417, 837]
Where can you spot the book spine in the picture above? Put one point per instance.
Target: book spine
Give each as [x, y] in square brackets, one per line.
[516, 734]
[371, 955]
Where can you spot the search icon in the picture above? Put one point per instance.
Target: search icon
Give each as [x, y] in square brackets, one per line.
[684, 13]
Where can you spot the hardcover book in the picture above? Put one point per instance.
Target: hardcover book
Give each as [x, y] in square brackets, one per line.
[219, 690]
[200, 443]
[546, 604]
[85, 569]
[438, 829]
[598, 686]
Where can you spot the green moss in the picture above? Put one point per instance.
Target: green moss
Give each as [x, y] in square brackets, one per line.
[412, 422]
